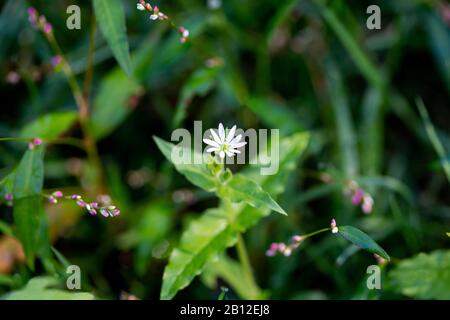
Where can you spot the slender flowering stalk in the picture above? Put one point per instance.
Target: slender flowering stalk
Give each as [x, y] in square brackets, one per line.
[106, 210]
[40, 23]
[286, 249]
[156, 14]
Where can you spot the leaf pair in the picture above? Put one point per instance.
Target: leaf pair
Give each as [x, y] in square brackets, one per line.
[208, 236]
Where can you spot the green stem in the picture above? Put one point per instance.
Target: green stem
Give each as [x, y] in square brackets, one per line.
[244, 260]
[83, 110]
[306, 236]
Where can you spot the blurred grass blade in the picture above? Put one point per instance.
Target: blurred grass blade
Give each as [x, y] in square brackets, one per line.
[344, 123]
[362, 240]
[434, 138]
[439, 37]
[360, 58]
[200, 83]
[111, 20]
[111, 104]
[28, 182]
[275, 114]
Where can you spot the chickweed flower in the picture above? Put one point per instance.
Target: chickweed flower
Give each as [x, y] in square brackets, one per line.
[223, 143]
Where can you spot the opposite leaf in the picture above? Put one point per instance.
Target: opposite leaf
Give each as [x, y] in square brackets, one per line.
[362, 240]
[197, 174]
[242, 189]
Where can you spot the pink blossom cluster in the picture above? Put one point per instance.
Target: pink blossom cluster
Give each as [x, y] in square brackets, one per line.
[283, 248]
[360, 197]
[35, 142]
[91, 207]
[39, 21]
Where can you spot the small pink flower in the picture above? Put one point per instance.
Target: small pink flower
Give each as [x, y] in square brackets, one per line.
[34, 142]
[367, 205]
[104, 213]
[47, 28]
[296, 238]
[56, 60]
[32, 16]
[75, 197]
[9, 197]
[93, 212]
[81, 203]
[52, 199]
[58, 194]
[334, 228]
[357, 196]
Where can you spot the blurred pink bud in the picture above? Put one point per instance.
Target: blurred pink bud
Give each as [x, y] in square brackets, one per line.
[58, 194]
[52, 199]
[47, 28]
[367, 205]
[9, 197]
[81, 203]
[296, 238]
[357, 196]
[75, 197]
[56, 60]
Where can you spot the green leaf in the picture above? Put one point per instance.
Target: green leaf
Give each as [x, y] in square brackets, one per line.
[28, 181]
[111, 104]
[197, 174]
[111, 20]
[274, 113]
[215, 230]
[50, 126]
[424, 276]
[362, 240]
[230, 271]
[241, 188]
[40, 288]
[199, 84]
[204, 239]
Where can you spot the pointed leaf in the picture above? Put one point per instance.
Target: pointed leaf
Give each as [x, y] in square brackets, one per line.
[197, 174]
[28, 181]
[111, 20]
[241, 188]
[362, 240]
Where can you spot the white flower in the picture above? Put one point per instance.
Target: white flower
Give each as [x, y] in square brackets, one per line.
[153, 16]
[224, 144]
[140, 6]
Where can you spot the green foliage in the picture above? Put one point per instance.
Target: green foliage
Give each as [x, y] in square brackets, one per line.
[219, 228]
[50, 126]
[111, 21]
[424, 276]
[28, 182]
[111, 104]
[362, 240]
[42, 288]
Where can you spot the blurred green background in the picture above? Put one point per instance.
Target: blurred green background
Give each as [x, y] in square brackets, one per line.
[307, 65]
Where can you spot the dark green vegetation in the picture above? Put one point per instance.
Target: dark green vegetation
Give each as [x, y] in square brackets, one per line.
[357, 110]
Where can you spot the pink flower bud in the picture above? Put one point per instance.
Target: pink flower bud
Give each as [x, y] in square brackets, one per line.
[75, 197]
[367, 205]
[58, 194]
[357, 196]
[81, 203]
[104, 213]
[52, 199]
[56, 60]
[47, 28]
[296, 238]
[9, 197]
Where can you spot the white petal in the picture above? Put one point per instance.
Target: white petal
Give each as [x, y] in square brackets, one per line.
[229, 153]
[212, 149]
[153, 17]
[221, 133]
[211, 143]
[140, 6]
[234, 150]
[215, 136]
[238, 144]
[236, 139]
[231, 134]
[222, 154]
